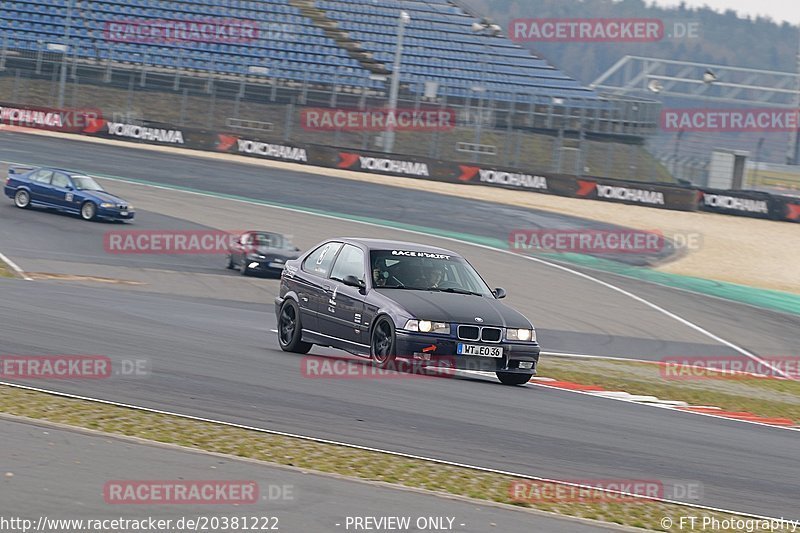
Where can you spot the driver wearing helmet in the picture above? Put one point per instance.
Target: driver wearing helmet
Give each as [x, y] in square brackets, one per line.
[432, 276]
[380, 274]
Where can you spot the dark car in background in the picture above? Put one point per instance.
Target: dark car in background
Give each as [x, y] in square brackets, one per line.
[390, 300]
[261, 252]
[64, 190]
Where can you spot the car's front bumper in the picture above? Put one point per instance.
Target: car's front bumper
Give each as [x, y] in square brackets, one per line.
[439, 350]
[264, 266]
[114, 214]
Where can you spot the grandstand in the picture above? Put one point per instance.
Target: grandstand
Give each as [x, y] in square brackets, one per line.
[331, 52]
[440, 45]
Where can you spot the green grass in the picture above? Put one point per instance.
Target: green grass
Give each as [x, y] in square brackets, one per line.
[321, 457]
[5, 271]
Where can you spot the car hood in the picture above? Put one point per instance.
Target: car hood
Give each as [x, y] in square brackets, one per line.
[456, 308]
[103, 196]
[276, 252]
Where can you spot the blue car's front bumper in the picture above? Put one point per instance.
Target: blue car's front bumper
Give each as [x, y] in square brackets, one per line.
[114, 214]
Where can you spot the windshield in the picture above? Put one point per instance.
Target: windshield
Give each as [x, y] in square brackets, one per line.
[85, 183]
[416, 270]
[272, 240]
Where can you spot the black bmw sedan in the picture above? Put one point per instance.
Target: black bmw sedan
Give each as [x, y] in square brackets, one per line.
[261, 252]
[390, 300]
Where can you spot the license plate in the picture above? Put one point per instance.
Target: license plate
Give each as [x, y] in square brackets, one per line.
[123, 213]
[481, 351]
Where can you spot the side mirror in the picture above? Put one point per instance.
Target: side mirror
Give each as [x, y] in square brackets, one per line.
[499, 293]
[353, 281]
[69, 188]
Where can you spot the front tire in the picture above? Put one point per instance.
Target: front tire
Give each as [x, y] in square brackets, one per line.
[510, 378]
[383, 343]
[290, 329]
[88, 211]
[22, 199]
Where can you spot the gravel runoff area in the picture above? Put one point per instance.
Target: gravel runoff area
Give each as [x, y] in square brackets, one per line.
[741, 250]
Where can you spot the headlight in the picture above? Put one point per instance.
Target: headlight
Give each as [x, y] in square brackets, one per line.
[106, 205]
[521, 334]
[257, 257]
[426, 326]
[130, 207]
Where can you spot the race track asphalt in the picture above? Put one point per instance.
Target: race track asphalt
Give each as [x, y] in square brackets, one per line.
[218, 359]
[214, 356]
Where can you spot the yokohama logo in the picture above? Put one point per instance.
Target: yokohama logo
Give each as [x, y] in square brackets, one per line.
[278, 151]
[525, 181]
[738, 204]
[147, 134]
[383, 165]
[630, 195]
[391, 165]
[30, 117]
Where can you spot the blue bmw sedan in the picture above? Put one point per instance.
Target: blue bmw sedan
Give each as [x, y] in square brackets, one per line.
[64, 190]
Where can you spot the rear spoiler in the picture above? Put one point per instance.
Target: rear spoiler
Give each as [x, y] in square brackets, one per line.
[19, 170]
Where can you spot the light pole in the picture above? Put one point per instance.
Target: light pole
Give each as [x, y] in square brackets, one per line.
[62, 83]
[794, 139]
[388, 139]
[487, 29]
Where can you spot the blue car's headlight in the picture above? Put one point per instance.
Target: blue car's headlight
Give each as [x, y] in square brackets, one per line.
[426, 326]
[523, 335]
[106, 205]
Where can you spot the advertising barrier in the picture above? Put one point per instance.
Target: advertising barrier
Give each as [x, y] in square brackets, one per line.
[741, 203]
[150, 132]
[637, 193]
[276, 151]
[91, 122]
[65, 120]
[515, 179]
[786, 208]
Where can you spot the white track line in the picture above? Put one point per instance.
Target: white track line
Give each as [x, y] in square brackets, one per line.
[378, 450]
[603, 395]
[15, 267]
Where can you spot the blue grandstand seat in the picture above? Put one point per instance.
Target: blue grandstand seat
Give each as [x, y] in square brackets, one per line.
[440, 44]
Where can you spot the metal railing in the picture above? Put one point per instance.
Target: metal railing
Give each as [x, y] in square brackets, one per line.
[533, 131]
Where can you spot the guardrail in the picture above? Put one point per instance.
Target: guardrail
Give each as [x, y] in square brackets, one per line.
[91, 122]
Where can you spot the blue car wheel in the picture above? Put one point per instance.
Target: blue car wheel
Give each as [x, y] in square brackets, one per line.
[22, 199]
[88, 211]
